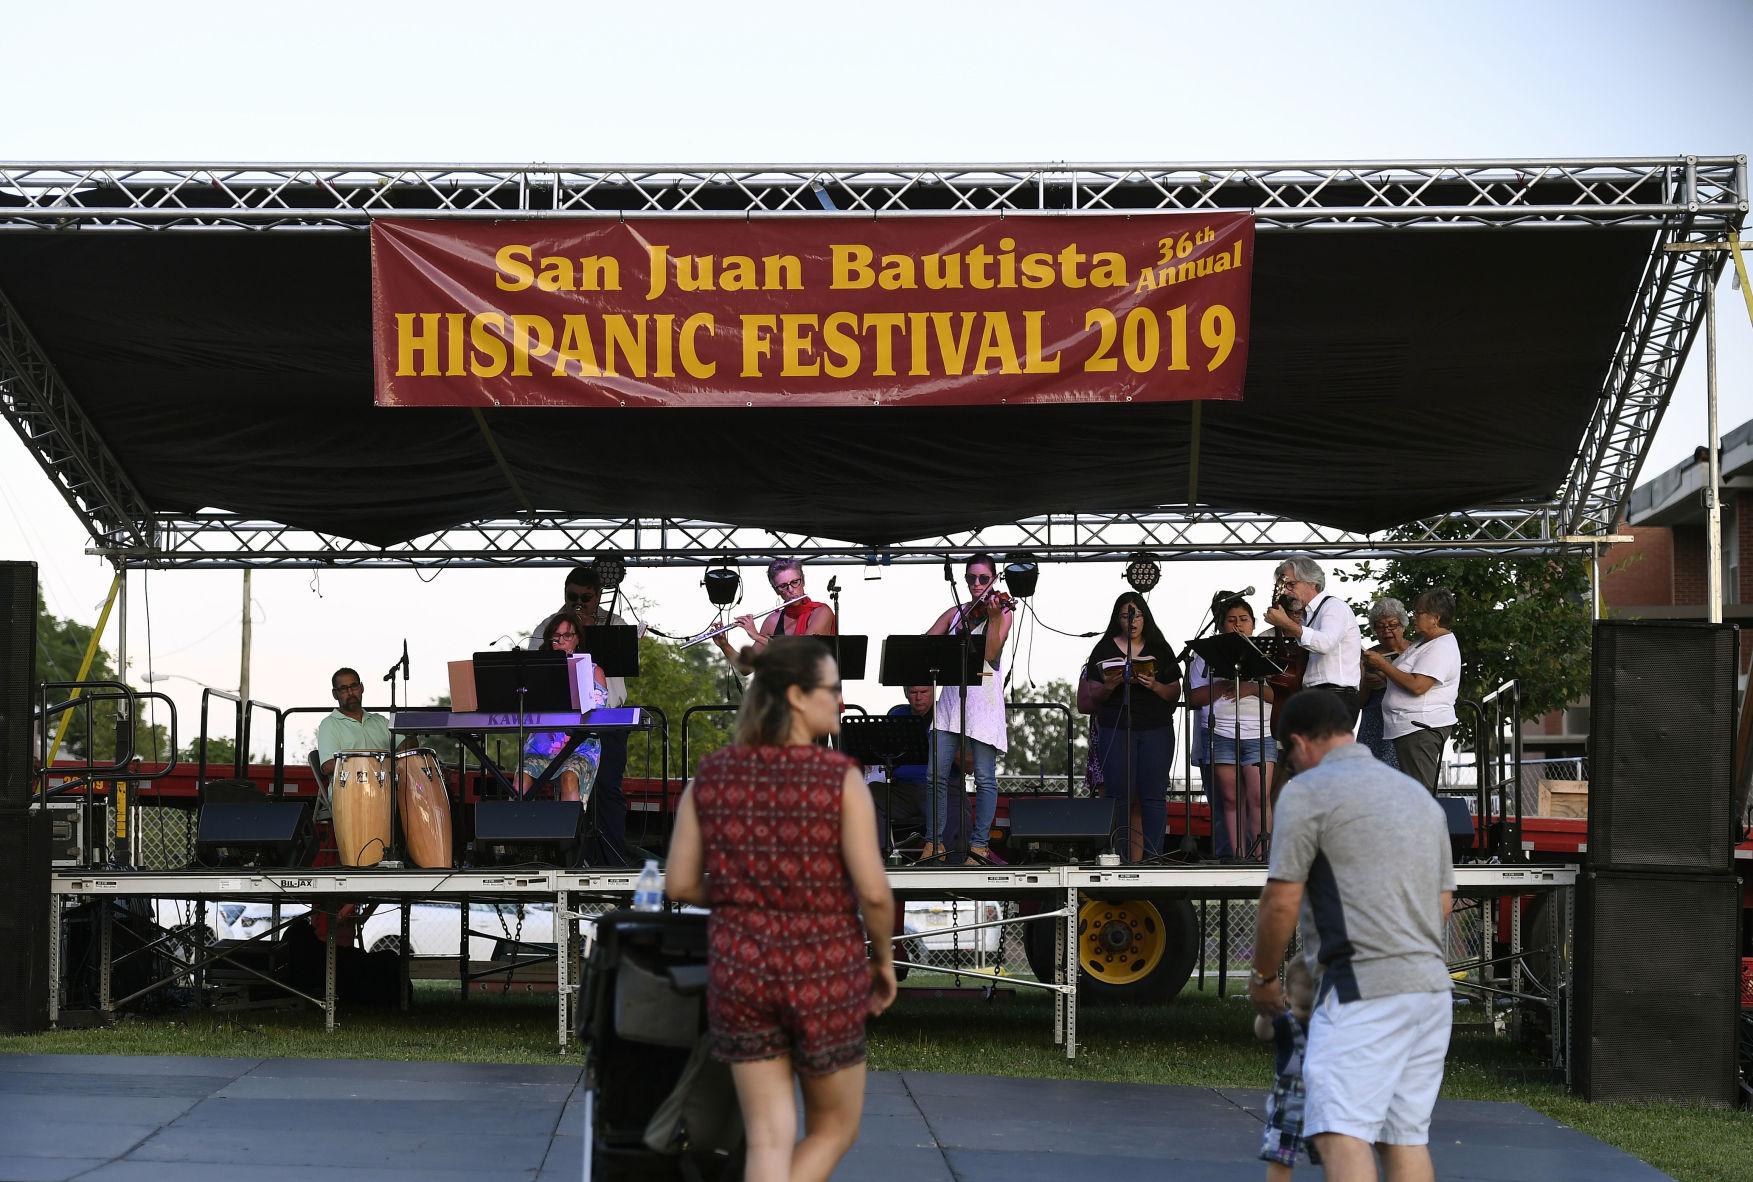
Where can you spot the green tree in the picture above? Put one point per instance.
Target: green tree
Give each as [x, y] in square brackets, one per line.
[1037, 737]
[221, 754]
[674, 679]
[61, 645]
[1525, 619]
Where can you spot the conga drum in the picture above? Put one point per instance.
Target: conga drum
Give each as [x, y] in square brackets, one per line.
[359, 796]
[425, 806]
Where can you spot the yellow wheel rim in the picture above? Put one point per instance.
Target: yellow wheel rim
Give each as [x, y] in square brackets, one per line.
[1120, 941]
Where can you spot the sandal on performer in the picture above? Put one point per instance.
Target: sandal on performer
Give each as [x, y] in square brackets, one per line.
[929, 852]
[983, 854]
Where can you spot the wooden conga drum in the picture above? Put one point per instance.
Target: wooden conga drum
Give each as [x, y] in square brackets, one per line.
[425, 807]
[359, 796]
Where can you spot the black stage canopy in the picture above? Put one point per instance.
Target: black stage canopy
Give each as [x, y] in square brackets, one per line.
[1391, 377]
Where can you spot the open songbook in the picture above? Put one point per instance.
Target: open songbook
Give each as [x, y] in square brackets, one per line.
[1141, 666]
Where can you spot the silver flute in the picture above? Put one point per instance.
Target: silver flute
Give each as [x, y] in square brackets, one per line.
[705, 636]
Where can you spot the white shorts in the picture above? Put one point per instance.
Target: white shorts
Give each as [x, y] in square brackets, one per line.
[1374, 1066]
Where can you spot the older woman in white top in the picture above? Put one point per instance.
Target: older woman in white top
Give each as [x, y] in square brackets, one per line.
[1418, 705]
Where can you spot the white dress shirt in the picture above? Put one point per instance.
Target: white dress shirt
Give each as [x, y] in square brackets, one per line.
[1335, 645]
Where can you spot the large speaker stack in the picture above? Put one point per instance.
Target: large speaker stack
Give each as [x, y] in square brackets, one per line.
[24, 838]
[1658, 935]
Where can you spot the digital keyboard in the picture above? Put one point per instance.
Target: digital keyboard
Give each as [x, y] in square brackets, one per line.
[443, 722]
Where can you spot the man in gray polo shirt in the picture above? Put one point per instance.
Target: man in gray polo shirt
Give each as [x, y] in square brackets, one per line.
[1361, 851]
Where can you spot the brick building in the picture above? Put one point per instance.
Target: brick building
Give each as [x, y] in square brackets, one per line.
[1660, 574]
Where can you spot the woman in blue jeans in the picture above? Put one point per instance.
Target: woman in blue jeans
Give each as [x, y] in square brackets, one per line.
[1135, 719]
[1241, 752]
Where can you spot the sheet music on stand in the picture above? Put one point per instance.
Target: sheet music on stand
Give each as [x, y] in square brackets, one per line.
[614, 647]
[1235, 657]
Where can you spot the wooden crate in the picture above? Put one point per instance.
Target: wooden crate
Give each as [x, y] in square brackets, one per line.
[1564, 798]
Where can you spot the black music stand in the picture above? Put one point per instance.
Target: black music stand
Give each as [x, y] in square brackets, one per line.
[951, 660]
[849, 654]
[1231, 656]
[520, 682]
[889, 740]
[613, 647]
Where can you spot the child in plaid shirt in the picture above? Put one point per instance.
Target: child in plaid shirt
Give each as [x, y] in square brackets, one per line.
[1284, 1104]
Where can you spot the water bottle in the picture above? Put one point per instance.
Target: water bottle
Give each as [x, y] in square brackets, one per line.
[648, 891]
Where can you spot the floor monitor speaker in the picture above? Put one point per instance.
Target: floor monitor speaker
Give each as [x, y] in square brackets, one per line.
[1661, 741]
[1080, 827]
[510, 832]
[269, 833]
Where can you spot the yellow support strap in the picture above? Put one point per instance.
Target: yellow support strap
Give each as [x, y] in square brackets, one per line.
[1741, 270]
[85, 665]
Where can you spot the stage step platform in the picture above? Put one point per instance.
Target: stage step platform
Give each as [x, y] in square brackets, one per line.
[109, 1118]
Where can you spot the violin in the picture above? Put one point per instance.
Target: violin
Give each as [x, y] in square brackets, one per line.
[981, 608]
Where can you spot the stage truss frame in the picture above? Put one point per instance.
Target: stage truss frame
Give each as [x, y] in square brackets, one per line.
[1676, 198]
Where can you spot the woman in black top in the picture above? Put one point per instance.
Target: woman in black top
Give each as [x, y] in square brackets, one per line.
[1134, 732]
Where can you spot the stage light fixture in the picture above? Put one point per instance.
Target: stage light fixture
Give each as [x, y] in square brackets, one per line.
[610, 568]
[1021, 574]
[723, 584]
[1143, 573]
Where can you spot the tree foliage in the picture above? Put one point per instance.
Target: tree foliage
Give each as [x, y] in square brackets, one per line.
[673, 679]
[1037, 737]
[1525, 619]
[61, 645]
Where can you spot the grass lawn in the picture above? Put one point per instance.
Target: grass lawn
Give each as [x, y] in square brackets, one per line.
[1198, 1041]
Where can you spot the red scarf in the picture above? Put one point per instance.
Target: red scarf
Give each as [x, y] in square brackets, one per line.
[799, 615]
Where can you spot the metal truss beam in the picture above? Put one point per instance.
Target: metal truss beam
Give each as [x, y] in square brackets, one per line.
[47, 417]
[1646, 364]
[228, 542]
[1285, 196]
[1678, 198]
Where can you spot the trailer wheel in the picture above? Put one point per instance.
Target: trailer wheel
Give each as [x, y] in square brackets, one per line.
[1134, 949]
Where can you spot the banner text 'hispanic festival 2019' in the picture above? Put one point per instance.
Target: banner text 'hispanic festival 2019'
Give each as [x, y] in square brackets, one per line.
[811, 311]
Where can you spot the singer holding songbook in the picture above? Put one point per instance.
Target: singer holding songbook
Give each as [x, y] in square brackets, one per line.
[1131, 683]
[1242, 752]
[796, 615]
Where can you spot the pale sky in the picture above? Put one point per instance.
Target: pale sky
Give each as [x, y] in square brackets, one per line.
[900, 82]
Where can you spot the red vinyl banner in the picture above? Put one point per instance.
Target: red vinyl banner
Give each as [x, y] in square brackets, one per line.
[919, 311]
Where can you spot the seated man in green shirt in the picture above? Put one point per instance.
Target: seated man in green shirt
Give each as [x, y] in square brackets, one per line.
[348, 728]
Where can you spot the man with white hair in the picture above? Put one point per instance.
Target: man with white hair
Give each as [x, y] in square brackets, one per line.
[1322, 624]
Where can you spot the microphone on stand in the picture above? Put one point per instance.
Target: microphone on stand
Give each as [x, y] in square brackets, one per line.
[404, 658]
[834, 585]
[1242, 594]
[949, 573]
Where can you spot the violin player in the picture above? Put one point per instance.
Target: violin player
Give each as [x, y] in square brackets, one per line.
[980, 722]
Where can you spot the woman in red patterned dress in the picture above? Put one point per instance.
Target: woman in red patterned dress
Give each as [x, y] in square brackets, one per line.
[778, 836]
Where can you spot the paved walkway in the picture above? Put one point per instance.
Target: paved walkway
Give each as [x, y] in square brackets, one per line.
[103, 1118]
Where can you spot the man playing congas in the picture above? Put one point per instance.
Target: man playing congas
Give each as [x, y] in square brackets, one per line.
[345, 733]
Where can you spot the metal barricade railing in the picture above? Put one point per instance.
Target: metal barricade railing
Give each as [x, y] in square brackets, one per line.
[243, 714]
[1497, 753]
[122, 771]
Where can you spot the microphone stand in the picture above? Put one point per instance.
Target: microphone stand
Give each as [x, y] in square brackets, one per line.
[1126, 712]
[1189, 847]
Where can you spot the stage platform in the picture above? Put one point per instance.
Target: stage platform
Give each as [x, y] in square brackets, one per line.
[172, 1119]
[1054, 889]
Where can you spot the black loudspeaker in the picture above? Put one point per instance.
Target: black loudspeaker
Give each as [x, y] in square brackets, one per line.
[516, 831]
[18, 677]
[1661, 741]
[1076, 825]
[1460, 819]
[1658, 985]
[24, 920]
[271, 833]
